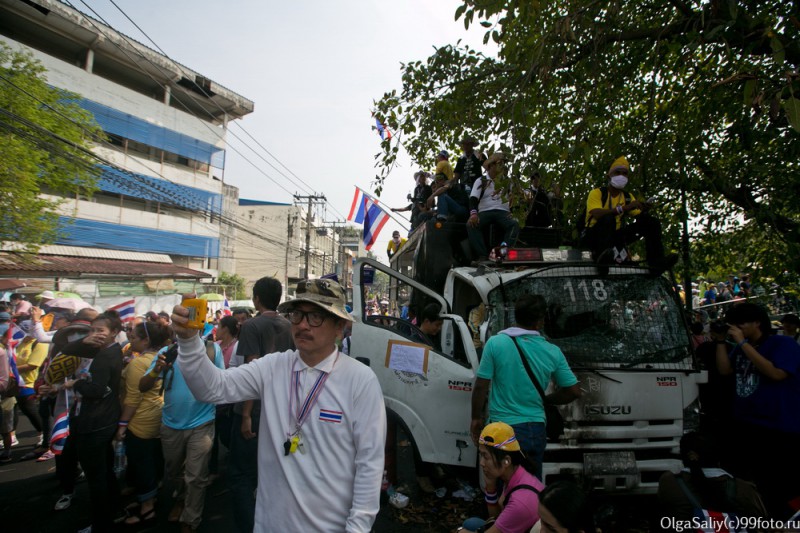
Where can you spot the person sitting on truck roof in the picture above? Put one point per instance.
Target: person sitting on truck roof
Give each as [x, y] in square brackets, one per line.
[488, 207]
[419, 199]
[514, 399]
[468, 166]
[609, 228]
[395, 244]
[502, 460]
[451, 199]
[539, 214]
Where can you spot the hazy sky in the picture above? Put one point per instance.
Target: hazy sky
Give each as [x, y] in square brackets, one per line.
[313, 69]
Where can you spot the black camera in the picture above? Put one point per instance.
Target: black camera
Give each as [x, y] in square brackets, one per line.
[719, 327]
[171, 354]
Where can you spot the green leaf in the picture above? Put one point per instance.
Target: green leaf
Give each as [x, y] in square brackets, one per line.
[749, 91]
[460, 10]
[486, 24]
[778, 50]
[792, 106]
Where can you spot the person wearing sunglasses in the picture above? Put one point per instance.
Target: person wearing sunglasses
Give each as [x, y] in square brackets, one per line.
[323, 420]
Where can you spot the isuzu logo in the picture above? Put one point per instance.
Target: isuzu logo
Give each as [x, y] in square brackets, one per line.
[607, 410]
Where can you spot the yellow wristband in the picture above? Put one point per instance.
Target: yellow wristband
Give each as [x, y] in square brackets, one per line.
[154, 373]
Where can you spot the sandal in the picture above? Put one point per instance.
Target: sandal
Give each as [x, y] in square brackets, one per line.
[139, 519]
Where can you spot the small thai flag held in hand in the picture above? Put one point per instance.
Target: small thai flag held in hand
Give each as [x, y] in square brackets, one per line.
[226, 307]
[60, 433]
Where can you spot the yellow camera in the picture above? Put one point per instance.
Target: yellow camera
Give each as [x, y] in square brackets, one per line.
[197, 312]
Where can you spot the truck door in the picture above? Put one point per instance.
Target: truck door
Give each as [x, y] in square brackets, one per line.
[426, 380]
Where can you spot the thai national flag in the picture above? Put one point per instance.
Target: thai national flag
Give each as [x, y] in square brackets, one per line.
[326, 415]
[58, 438]
[126, 310]
[226, 307]
[383, 131]
[374, 220]
[15, 334]
[357, 207]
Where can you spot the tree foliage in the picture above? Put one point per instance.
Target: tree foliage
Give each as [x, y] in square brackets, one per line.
[234, 285]
[43, 139]
[701, 96]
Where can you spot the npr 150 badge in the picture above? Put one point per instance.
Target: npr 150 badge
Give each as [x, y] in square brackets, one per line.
[666, 381]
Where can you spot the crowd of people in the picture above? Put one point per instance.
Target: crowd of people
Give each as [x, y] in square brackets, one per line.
[305, 425]
[309, 457]
[478, 194]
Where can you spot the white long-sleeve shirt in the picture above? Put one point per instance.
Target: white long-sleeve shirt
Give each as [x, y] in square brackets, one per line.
[45, 337]
[335, 484]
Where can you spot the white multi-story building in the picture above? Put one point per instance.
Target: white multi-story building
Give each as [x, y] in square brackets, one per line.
[161, 189]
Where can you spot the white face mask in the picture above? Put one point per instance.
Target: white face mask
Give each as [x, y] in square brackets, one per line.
[396, 240]
[619, 181]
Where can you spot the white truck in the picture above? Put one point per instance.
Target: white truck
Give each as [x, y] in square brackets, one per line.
[623, 334]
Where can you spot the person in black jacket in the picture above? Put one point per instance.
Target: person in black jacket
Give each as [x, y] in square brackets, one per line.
[95, 415]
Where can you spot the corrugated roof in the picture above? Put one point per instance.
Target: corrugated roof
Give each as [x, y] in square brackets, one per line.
[18, 265]
[99, 253]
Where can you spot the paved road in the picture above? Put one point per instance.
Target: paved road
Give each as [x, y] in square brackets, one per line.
[28, 491]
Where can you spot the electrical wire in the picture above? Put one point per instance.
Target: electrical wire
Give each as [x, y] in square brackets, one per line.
[202, 90]
[165, 197]
[161, 50]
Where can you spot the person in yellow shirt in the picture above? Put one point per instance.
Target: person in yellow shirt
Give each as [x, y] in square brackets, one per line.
[615, 219]
[140, 422]
[31, 354]
[443, 164]
[395, 244]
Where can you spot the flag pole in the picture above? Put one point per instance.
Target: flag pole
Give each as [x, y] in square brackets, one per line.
[402, 225]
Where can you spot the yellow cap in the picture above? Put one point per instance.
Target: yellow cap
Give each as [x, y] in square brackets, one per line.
[499, 435]
[619, 162]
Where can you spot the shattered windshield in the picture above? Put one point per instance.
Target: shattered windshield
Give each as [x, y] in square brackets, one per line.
[619, 321]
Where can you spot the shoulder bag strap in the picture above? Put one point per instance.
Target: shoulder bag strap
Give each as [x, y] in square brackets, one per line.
[528, 370]
[507, 497]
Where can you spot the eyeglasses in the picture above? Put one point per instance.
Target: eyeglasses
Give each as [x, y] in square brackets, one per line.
[314, 318]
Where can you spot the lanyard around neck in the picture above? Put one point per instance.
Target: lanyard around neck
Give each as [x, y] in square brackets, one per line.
[301, 412]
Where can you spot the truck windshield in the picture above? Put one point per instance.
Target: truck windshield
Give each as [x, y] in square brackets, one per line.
[619, 321]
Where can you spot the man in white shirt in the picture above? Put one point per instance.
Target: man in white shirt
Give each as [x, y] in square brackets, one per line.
[323, 420]
[487, 206]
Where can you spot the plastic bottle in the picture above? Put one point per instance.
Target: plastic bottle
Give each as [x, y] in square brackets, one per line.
[120, 461]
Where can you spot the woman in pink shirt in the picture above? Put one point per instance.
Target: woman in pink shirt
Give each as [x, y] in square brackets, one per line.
[516, 510]
[228, 338]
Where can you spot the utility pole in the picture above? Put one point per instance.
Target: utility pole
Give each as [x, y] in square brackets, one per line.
[286, 257]
[334, 225]
[312, 199]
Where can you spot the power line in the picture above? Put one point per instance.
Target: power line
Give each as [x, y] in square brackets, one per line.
[186, 107]
[194, 82]
[165, 197]
[212, 101]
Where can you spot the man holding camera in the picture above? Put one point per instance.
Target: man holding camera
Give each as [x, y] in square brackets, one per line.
[323, 420]
[615, 219]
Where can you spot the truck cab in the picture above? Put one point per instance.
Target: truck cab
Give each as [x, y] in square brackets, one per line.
[622, 332]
